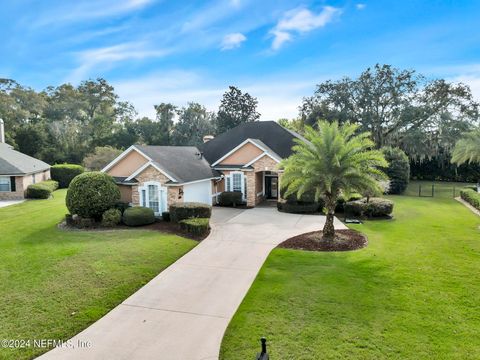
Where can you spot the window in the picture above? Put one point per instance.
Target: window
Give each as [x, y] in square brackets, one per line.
[33, 178]
[236, 181]
[144, 198]
[5, 185]
[153, 198]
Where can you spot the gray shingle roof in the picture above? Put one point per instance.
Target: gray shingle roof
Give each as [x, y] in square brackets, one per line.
[13, 162]
[183, 163]
[276, 137]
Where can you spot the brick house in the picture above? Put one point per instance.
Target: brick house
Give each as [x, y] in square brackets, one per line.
[243, 159]
[18, 170]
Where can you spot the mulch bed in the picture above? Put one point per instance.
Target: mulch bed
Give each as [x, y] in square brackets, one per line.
[345, 240]
[161, 226]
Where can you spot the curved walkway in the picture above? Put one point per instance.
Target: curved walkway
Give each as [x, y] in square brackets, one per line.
[184, 311]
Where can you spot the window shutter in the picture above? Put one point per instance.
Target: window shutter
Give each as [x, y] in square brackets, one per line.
[13, 185]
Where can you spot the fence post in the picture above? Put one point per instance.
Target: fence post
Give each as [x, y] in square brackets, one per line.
[263, 355]
[433, 190]
[454, 191]
[419, 190]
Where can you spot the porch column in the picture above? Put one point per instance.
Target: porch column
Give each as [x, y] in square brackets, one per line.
[251, 190]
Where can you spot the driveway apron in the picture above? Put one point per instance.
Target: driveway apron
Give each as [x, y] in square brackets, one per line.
[183, 312]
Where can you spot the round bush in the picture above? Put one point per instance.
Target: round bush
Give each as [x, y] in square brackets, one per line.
[64, 173]
[187, 210]
[38, 191]
[196, 226]
[111, 217]
[92, 193]
[138, 216]
[398, 170]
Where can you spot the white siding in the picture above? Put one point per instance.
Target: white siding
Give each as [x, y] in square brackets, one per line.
[198, 192]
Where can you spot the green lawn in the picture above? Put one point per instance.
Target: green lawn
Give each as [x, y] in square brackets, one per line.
[54, 283]
[413, 293]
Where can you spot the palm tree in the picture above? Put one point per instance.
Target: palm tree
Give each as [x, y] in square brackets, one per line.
[467, 149]
[334, 160]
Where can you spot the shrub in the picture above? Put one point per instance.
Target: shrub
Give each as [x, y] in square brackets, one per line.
[166, 216]
[230, 198]
[307, 197]
[111, 217]
[376, 207]
[122, 206]
[92, 193]
[398, 169]
[195, 226]
[138, 215]
[38, 191]
[51, 184]
[298, 208]
[64, 173]
[181, 211]
[471, 196]
[341, 201]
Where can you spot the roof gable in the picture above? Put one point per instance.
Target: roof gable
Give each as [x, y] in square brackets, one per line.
[278, 139]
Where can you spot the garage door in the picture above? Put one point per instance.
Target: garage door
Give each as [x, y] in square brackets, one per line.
[198, 192]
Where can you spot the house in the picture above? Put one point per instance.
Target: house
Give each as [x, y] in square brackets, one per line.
[243, 159]
[18, 170]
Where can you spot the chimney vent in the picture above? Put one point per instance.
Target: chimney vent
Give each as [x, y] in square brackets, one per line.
[2, 132]
[207, 138]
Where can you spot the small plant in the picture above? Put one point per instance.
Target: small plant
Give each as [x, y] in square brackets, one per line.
[181, 211]
[471, 196]
[111, 217]
[195, 226]
[166, 216]
[374, 207]
[64, 173]
[138, 216]
[230, 198]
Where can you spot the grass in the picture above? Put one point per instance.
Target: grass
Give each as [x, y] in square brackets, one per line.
[413, 293]
[54, 283]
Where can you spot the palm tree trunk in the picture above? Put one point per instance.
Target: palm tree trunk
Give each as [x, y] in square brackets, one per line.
[328, 228]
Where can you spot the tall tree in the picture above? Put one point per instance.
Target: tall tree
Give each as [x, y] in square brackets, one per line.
[194, 122]
[398, 107]
[165, 115]
[236, 108]
[335, 160]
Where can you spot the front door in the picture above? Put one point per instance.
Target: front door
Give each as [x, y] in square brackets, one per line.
[271, 187]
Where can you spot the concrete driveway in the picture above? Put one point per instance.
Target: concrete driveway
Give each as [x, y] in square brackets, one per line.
[5, 203]
[183, 313]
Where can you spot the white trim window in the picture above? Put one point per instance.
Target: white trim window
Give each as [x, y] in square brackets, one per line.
[153, 196]
[236, 181]
[5, 184]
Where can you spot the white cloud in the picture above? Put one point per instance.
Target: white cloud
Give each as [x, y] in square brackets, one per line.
[360, 6]
[233, 41]
[300, 20]
[107, 56]
[82, 11]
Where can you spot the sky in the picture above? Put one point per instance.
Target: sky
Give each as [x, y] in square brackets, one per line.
[155, 51]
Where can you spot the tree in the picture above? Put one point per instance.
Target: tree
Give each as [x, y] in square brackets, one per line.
[165, 116]
[333, 161]
[236, 108]
[296, 125]
[398, 107]
[194, 122]
[398, 170]
[467, 149]
[101, 157]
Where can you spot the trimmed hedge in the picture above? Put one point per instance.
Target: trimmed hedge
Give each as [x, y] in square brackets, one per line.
[64, 173]
[138, 216]
[182, 211]
[195, 226]
[376, 207]
[398, 169]
[339, 207]
[298, 208]
[230, 198]
[42, 190]
[92, 193]
[111, 217]
[471, 196]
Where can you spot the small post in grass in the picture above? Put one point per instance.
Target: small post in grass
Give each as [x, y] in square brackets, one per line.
[263, 355]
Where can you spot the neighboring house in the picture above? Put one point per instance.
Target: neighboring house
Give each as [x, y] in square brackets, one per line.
[244, 159]
[18, 170]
